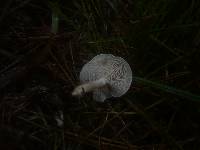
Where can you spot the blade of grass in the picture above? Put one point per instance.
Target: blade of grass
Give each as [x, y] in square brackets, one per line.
[168, 89]
[55, 22]
[55, 17]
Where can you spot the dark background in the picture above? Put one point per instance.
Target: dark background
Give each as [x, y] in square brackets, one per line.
[40, 65]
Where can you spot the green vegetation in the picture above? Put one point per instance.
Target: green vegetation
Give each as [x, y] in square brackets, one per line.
[43, 46]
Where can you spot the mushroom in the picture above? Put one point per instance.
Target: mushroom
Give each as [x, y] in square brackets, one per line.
[106, 76]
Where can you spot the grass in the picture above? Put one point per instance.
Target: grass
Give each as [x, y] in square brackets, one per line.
[43, 46]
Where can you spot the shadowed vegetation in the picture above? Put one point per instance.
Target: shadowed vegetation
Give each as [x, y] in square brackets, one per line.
[43, 46]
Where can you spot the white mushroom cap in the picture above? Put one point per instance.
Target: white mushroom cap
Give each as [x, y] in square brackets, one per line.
[115, 70]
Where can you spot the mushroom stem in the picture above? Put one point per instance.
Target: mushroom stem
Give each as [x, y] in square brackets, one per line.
[89, 87]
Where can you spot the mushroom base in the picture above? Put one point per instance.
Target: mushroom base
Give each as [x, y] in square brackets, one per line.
[89, 87]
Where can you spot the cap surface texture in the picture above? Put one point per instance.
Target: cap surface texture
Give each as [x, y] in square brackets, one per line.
[115, 70]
